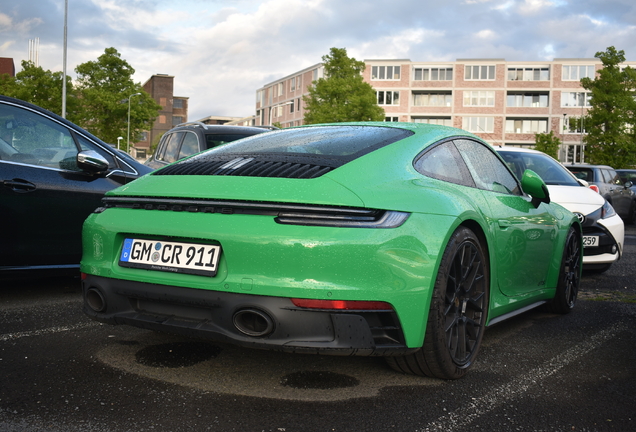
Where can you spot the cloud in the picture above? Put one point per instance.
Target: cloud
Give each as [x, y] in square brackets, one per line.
[221, 51]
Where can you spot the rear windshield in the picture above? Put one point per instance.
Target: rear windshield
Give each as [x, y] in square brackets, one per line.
[586, 174]
[551, 171]
[213, 140]
[331, 145]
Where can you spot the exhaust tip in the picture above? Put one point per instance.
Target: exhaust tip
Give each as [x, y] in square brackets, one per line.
[95, 300]
[253, 322]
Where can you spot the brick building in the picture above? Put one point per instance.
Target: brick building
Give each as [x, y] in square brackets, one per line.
[504, 102]
[7, 66]
[174, 110]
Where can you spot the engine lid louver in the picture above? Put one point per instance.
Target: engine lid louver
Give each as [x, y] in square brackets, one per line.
[246, 167]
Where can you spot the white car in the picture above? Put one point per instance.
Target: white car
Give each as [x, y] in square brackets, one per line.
[603, 229]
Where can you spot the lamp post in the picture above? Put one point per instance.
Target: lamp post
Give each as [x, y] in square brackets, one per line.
[275, 106]
[128, 141]
[118, 140]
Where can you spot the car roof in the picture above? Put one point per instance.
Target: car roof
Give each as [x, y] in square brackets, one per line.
[216, 128]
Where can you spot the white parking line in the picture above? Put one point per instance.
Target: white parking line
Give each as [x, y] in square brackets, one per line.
[467, 414]
[40, 332]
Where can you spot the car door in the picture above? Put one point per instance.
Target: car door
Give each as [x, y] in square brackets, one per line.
[524, 233]
[44, 195]
[620, 196]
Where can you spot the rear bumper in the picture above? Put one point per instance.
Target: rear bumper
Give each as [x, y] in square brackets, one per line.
[274, 322]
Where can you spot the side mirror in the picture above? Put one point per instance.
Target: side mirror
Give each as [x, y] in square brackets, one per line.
[628, 184]
[92, 162]
[534, 186]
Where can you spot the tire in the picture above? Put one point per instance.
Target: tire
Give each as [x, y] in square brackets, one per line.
[457, 315]
[569, 276]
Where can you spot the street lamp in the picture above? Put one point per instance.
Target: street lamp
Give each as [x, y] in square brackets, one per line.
[276, 106]
[118, 140]
[128, 142]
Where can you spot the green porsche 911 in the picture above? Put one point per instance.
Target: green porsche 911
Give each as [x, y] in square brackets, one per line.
[400, 240]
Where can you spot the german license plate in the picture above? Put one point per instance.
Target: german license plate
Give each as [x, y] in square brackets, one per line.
[590, 241]
[176, 257]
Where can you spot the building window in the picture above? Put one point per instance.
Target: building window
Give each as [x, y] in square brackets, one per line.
[317, 73]
[176, 120]
[391, 119]
[479, 98]
[575, 73]
[162, 119]
[433, 74]
[291, 106]
[432, 99]
[575, 99]
[177, 103]
[479, 72]
[292, 84]
[385, 72]
[526, 126]
[529, 74]
[479, 124]
[388, 97]
[527, 100]
[163, 102]
[444, 121]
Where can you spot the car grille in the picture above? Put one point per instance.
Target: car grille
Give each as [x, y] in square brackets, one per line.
[246, 167]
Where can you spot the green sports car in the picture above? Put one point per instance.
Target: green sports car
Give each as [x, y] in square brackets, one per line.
[400, 240]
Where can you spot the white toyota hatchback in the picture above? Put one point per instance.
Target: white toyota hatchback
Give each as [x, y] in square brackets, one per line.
[603, 229]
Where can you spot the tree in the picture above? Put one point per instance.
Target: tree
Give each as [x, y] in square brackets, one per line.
[609, 123]
[548, 143]
[105, 87]
[342, 95]
[43, 88]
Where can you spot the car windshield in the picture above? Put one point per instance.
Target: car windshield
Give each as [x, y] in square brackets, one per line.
[551, 171]
[330, 142]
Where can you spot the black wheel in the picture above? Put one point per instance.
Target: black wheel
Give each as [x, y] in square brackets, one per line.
[569, 276]
[457, 315]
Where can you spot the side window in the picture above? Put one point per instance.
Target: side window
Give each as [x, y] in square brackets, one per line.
[488, 171]
[443, 162]
[31, 138]
[190, 145]
[169, 153]
[612, 177]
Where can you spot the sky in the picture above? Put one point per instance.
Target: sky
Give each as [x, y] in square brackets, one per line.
[221, 51]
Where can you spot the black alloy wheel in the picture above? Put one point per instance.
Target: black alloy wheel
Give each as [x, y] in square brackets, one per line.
[458, 311]
[569, 276]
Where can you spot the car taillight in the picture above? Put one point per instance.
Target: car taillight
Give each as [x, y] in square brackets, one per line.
[594, 188]
[341, 304]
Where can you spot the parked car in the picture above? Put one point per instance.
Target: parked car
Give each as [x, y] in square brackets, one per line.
[194, 137]
[401, 240]
[53, 174]
[628, 176]
[610, 186]
[603, 229]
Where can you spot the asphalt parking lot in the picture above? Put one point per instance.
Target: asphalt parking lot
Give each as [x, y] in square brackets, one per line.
[59, 371]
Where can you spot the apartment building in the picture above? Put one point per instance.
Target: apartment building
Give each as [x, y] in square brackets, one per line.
[504, 102]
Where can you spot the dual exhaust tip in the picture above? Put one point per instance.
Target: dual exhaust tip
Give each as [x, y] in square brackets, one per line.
[251, 321]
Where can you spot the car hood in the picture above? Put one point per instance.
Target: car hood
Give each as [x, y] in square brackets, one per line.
[576, 198]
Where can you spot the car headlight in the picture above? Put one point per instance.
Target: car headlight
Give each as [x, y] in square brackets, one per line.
[607, 211]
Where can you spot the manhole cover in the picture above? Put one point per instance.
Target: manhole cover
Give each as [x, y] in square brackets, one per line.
[321, 380]
[177, 354]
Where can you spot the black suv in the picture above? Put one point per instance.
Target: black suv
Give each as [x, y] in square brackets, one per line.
[187, 139]
[609, 184]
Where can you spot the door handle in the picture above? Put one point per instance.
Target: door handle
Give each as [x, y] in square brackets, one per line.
[503, 223]
[19, 185]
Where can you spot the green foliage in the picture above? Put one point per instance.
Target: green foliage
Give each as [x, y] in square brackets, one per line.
[609, 124]
[42, 88]
[105, 86]
[278, 125]
[548, 143]
[342, 95]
